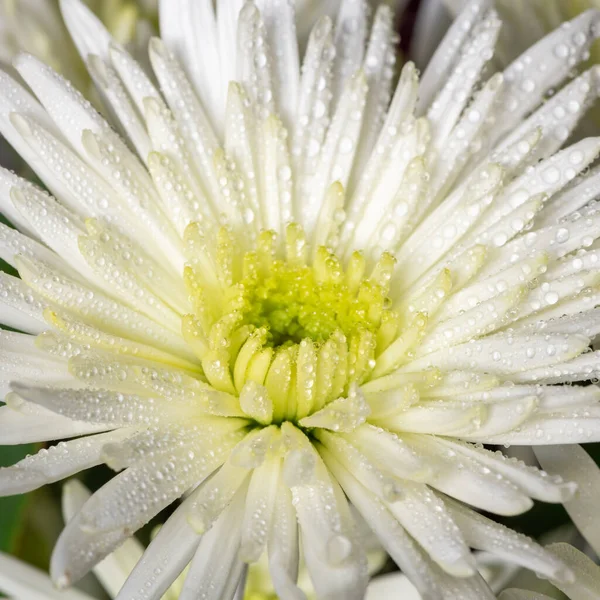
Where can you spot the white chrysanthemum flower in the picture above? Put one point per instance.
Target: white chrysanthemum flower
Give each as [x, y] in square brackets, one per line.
[296, 303]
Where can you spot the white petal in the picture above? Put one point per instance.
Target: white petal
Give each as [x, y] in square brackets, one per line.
[13, 243]
[21, 360]
[116, 567]
[214, 496]
[573, 463]
[466, 480]
[378, 66]
[449, 49]
[8, 180]
[574, 426]
[440, 418]
[22, 308]
[123, 505]
[546, 177]
[535, 483]
[103, 407]
[432, 240]
[216, 568]
[65, 105]
[343, 414]
[259, 509]
[350, 36]
[194, 126]
[172, 549]
[189, 27]
[13, 97]
[555, 118]
[391, 534]
[473, 588]
[57, 226]
[339, 147]
[514, 594]
[280, 23]
[433, 20]
[582, 368]
[134, 78]
[385, 448]
[392, 587]
[504, 353]
[179, 460]
[452, 98]
[55, 463]
[541, 67]
[313, 103]
[96, 308]
[24, 423]
[283, 546]
[586, 583]
[121, 108]
[23, 581]
[334, 555]
[87, 31]
[484, 534]
[427, 520]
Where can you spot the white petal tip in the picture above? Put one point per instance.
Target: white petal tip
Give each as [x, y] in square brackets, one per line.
[62, 581]
[19, 122]
[568, 491]
[564, 575]
[462, 568]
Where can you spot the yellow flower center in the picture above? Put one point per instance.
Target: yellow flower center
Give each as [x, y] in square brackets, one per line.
[272, 322]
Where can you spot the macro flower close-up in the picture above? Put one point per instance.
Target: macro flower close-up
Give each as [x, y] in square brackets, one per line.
[301, 297]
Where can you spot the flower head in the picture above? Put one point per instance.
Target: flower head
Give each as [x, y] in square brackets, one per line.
[298, 298]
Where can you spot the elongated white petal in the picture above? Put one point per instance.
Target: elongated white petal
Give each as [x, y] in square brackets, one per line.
[102, 407]
[584, 586]
[55, 463]
[22, 308]
[172, 548]
[483, 534]
[392, 536]
[259, 510]
[567, 426]
[202, 61]
[96, 307]
[23, 581]
[449, 49]
[526, 86]
[469, 483]
[24, 423]
[216, 568]
[333, 555]
[114, 570]
[283, 546]
[574, 463]
[506, 353]
[85, 28]
[538, 484]
[391, 586]
[514, 594]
